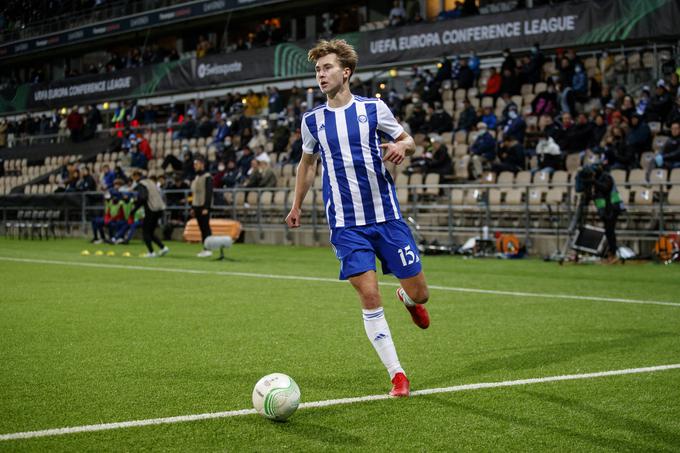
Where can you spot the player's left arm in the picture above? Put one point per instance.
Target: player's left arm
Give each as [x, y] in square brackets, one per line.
[398, 150]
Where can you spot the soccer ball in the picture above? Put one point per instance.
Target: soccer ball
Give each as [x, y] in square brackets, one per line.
[276, 396]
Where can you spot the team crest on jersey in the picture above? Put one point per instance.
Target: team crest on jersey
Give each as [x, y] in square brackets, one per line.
[322, 127]
[362, 118]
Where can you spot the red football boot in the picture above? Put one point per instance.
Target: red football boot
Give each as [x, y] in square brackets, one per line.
[400, 386]
[419, 313]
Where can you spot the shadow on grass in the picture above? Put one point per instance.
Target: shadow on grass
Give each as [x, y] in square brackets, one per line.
[541, 356]
[540, 425]
[638, 428]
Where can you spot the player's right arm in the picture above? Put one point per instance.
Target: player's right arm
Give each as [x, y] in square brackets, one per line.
[306, 172]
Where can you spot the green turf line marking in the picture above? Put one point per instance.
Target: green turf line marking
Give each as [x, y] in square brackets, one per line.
[331, 280]
[326, 403]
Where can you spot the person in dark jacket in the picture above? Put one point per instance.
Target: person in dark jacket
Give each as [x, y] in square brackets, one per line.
[510, 156]
[468, 117]
[483, 150]
[669, 156]
[149, 197]
[617, 154]
[440, 120]
[441, 160]
[661, 103]
[201, 203]
[639, 137]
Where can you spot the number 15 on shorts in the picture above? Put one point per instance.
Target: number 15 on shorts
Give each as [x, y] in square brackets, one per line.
[407, 256]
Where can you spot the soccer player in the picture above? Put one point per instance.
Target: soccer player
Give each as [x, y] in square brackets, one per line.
[360, 198]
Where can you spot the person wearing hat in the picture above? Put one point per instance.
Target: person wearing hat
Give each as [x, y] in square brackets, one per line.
[149, 197]
[201, 202]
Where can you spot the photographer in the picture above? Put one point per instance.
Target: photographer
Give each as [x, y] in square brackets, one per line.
[597, 185]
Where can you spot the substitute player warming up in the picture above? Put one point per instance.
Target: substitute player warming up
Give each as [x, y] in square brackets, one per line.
[360, 198]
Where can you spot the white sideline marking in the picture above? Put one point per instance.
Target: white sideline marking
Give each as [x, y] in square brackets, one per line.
[334, 402]
[331, 280]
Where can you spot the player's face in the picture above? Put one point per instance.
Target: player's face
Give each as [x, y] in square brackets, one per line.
[329, 74]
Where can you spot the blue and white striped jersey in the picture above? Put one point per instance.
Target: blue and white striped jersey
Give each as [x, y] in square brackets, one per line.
[357, 189]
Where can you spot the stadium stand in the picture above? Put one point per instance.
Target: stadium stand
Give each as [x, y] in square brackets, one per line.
[622, 116]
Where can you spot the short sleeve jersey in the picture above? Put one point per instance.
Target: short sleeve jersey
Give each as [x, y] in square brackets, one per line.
[357, 188]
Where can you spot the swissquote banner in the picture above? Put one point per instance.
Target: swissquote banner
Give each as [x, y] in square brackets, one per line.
[567, 24]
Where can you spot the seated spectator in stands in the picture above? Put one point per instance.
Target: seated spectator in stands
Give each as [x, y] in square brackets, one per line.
[295, 154]
[674, 86]
[440, 120]
[274, 101]
[223, 130]
[469, 8]
[187, 130]
[230, 178]
[599, 131]
[617, 154]
[86, 182]
[628, 108]
[417, 120]
[570, 138]
[205, 127]
[75, 124]
[144, 147]
[244, 163]
[639, 137]
[509, 83]
[106, 177]
[475, 64]
[137, 159]
[566, 70]
[260, 174]
[454, 13]
[175, 195]
[493, 84]
[114, 216]
[441, 160]
[419, 163]
[509, 61]
[545, 102]
[510, 156]
[579, 83]
[643, 102]
[71, 185]
[467, 118]
[466, 78]
[566, 98]
[674, 116]
[534, 71]
[515, 126]
[669, 156]
[483, 151]
[489, 118]
[550, 157]
[661, 104]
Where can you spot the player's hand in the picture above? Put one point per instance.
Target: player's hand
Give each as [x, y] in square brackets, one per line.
[293, 218]
[394, 153]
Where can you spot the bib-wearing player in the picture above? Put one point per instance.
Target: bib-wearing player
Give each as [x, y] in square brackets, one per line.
[360, 197]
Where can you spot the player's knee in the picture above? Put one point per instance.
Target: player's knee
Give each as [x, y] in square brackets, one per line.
[370, 299]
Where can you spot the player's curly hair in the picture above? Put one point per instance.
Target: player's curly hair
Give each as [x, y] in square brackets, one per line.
[346, 54]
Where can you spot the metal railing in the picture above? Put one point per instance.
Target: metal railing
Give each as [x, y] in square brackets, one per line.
[447, 212]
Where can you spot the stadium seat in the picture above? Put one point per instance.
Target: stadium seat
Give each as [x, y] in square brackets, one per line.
[619, 176]
[658, 176]
[541, 178]
[637, 176]
[523, 178]
[506, 177]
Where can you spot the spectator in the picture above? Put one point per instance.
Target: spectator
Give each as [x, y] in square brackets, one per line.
[475, 65]
[483, 151]
[144, 146]
[244, 162]
[441, 160]
[75, 124]
[230, 177]
[669, 155]
[509, 62]
[549, 154]
[397, 15]
[493, 84]
[510, 156]
[515, 126]
[509, 83]
[295, 154]
[489, 118]
[579, 83]
[545, 102]
[466, 78]
[674, 116]
[260, 174]
[643, 102]
[440, 120]
[660, 104]
[137, 159]
[639, 138]
[468, 117]
[86, 182]
[617, 154]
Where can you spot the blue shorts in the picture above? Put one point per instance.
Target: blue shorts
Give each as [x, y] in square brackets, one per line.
[391, 242]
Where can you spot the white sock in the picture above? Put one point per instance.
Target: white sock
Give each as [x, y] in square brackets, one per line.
[379, 335]
[407, 300]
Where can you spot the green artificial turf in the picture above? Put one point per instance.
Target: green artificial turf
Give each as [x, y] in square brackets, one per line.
[84, 345]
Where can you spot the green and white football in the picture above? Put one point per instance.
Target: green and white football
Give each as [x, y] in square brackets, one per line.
[276, 396]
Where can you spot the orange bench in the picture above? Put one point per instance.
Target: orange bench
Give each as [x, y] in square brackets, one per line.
[219, 227]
